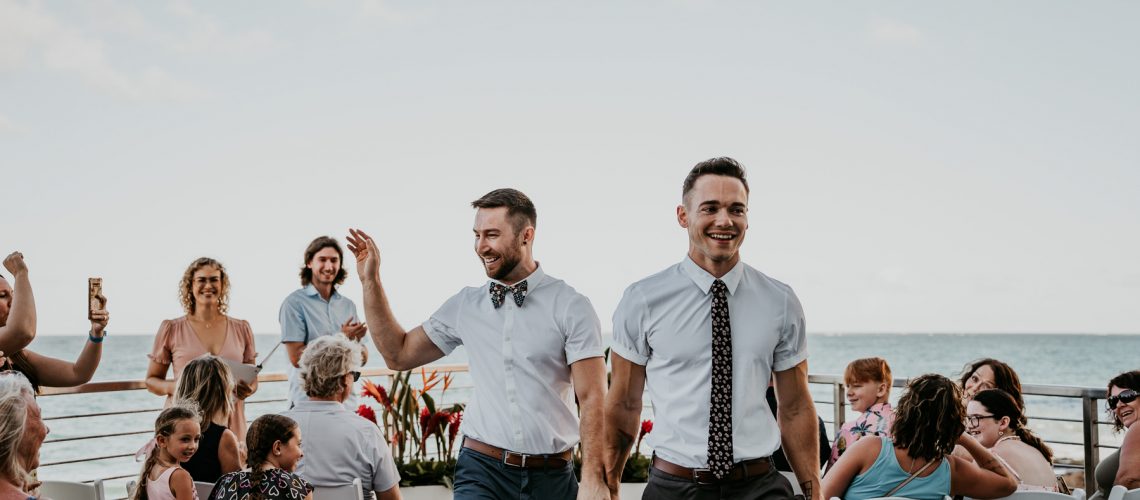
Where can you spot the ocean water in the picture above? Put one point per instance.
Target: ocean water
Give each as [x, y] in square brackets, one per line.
[1074, 360]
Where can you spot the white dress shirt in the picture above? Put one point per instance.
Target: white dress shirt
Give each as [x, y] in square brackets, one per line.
[519, 360]
[340, 446]
[664, 322]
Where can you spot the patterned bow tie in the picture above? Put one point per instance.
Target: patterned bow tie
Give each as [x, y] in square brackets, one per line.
[499, 291]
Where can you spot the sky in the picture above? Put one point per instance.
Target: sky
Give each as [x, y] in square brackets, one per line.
[915, 166]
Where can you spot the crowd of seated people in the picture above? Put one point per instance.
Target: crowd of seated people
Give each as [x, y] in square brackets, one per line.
[967, 438]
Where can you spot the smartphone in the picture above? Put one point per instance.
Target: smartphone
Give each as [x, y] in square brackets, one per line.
[95, 300]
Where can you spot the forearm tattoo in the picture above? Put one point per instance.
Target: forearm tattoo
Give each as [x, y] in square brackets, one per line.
[806, 488]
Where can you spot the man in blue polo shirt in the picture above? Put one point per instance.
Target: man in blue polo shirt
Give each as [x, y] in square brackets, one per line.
[317, 309]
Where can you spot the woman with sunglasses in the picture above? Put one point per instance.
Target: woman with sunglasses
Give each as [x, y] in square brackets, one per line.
[339, 445]
[1122, 467]
[994, 419]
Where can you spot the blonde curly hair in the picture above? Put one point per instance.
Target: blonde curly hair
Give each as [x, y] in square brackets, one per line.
[186, 287]
[15, 394]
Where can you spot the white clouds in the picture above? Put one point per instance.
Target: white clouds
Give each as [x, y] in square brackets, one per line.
[202, 35]
[891, 31]
[29, 35]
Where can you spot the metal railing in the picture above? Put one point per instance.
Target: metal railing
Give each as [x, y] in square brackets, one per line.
[1088, 419]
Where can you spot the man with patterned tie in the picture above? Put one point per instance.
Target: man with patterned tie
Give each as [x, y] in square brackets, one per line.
[705, 336]
[533, 344]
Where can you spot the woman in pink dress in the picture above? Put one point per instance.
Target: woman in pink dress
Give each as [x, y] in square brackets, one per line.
[205, 328]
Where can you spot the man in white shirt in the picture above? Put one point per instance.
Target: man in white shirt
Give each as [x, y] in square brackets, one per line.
[705, 336]
[534, 343]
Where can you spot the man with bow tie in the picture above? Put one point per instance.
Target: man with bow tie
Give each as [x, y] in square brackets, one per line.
[534, 343]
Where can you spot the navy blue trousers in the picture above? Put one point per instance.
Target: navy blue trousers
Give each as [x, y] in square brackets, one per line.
[480, 477]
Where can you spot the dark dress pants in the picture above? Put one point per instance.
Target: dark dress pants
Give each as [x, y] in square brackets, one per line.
[770, 486]
[480, 477]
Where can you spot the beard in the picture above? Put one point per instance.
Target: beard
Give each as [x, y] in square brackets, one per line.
[508, 261]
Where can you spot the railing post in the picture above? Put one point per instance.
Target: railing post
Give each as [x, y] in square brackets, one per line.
[839, 396]
[1092, 440]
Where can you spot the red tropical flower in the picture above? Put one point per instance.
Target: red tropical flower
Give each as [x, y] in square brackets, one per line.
[646, 428]
[366, 412]
[453, 422]
[378, 393]
[425, 415]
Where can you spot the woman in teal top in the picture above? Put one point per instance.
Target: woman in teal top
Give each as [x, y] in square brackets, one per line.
[929, 421]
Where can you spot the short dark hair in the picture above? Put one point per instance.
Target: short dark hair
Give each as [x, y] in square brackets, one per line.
[315, 246]
[1126, 380]
[714, 166]
[519, 207]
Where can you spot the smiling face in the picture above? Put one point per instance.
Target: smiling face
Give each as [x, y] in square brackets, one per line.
[1125, 413]
[499, 247]
[715, 213]
[5, 300]
[287, 454]
[862, 395]
[206, 287]
[325, 265]
[183, 442]
[980, 380]
[987, 429]
[35, 431]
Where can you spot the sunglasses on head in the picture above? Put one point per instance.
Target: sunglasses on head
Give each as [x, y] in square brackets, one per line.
[1125, 397]
[355, 375]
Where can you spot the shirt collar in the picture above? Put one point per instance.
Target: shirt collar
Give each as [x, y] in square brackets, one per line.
[311, 291]
[532, 281]
[310, 405]
[704, 280]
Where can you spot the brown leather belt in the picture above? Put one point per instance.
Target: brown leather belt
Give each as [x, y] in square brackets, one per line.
[522, 460]
[741, 470]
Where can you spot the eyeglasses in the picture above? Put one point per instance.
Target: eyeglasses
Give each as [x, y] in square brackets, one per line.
[973, 419]
[355, 375]
[1125, 397]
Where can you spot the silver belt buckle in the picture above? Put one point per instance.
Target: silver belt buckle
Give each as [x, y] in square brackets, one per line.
[522, 456]
[698, 471]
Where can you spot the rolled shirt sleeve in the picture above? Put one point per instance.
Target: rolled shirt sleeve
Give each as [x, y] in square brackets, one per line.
[792, 346]
[583, 330]
[630, 338]
[292, 319]
[440, 327]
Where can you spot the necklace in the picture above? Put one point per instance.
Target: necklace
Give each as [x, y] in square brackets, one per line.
[1011, 437]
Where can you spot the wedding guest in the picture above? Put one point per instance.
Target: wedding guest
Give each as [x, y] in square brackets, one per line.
[176, 435]
[207, 382]
[206, 328]
[1123, 466]
[915, 461]
[339, 445]
[534, 345]
[22, 432]
[868, 383]
[43, 371]
[989, 373]
[994, 419]
[274, 444]
[17, 315]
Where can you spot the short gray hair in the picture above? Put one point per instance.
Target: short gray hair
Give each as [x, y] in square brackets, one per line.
[325, 361]
[15, 393]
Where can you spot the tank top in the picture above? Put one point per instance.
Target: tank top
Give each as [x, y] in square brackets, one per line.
[159, 488]
[204, 466]
[886, 473]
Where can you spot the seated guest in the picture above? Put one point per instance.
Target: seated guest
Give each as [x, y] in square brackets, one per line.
[22, 431]
[274, 444]
[339, 445]
[993, 418]
[915, 461]
[207, 381]
[1123, 466]
[868, 383]
[989, 373]
[17, 312]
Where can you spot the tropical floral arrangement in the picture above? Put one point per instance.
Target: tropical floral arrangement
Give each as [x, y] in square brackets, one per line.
[414, 425]
[637, 467]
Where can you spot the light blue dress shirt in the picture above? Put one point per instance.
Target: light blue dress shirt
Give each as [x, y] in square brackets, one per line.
[340, 446]
[304, 317]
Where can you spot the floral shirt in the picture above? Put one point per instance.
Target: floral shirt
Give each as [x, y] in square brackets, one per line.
[276, 484]
[876, 421]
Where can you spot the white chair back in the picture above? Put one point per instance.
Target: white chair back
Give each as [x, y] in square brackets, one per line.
[1039, 495]
[203, 489]
[1121, 493]
[67, 490]
[354, 491]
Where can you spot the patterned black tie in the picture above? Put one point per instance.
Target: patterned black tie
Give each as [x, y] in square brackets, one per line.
[720, 412]
[499, 291]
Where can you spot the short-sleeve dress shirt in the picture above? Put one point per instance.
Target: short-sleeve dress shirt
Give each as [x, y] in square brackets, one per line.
[306, 316]
[664, 322]
[340, 446]
[519, 360]
[177, 344]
